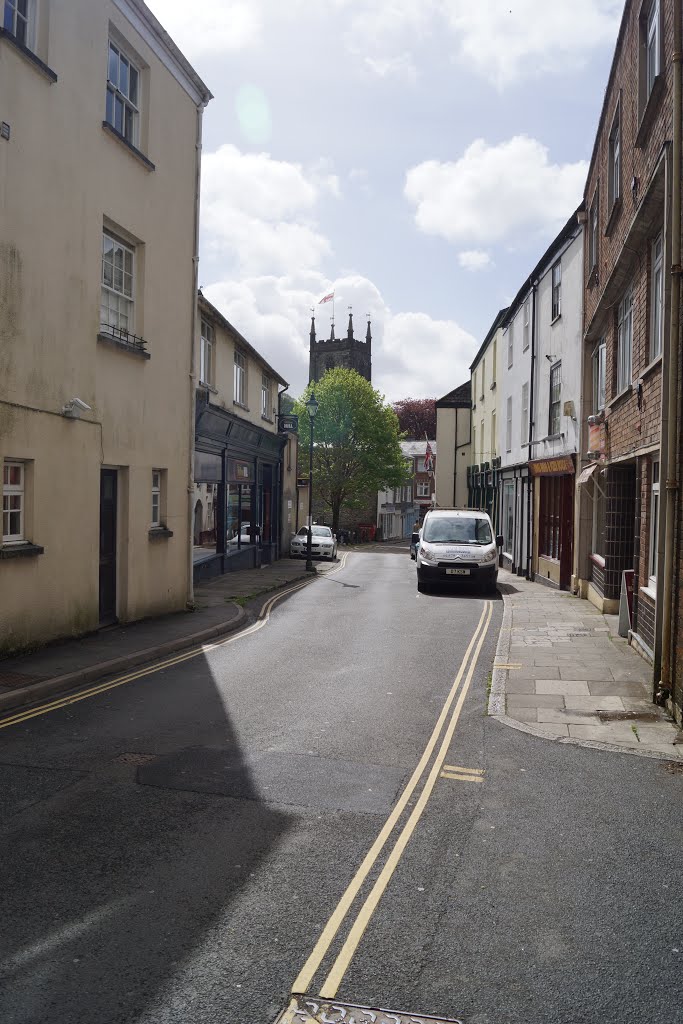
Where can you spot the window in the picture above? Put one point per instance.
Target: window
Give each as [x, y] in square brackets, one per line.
[240, 378]
[654, 524]
[156, 497]
[557, 291]
[12, 502]
[266, 411]
[511, 342]
[508, 516]
[483, 453]
[525, 336]
[592, 240]
[657, 299]
[508, 426]
[549, 517]
[555, 393]
[652, 48]
[599, 368]
[524, 425]
[474, 446]
[423, 488]
[118, 283]
[123, 81]
[474, 387]
[493, 434]
[483, 378]
[624, 341]
[18, 20]
[614, 178]
[206, 349]
[495, 362]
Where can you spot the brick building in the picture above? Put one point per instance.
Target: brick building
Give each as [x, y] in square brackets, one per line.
[627, 308]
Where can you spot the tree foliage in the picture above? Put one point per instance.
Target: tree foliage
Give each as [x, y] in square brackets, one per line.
[356, 441]
[417, 417]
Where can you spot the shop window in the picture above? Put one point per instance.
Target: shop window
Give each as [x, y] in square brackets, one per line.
[549, 517]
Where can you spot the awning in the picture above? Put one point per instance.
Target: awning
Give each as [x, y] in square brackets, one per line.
[587, 473]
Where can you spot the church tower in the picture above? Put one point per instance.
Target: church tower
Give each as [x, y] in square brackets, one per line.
[350, 352]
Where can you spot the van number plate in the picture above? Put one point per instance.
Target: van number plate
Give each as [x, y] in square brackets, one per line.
[457, 572]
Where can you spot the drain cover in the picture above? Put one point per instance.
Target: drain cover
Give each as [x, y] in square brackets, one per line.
[305, 1010]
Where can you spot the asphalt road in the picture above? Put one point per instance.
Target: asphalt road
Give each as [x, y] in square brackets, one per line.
[173, 849]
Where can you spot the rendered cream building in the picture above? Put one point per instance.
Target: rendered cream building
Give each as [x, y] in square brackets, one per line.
[99, 164]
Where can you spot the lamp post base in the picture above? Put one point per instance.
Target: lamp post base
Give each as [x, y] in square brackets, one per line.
[310, 567]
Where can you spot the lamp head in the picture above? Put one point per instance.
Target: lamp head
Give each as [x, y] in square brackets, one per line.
[312, 406]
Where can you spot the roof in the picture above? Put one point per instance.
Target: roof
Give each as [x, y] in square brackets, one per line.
[215, 314]
[180, 60]
[500, 317]
[461, 397]
[414, 448]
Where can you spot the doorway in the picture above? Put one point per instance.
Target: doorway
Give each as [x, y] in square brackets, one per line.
[107, 588]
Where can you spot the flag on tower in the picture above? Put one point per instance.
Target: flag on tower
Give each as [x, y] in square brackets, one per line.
[326, 298]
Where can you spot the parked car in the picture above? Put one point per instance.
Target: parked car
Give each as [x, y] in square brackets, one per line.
[456, 545]
[323, 543]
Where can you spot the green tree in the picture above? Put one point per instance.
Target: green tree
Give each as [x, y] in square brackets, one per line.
[356, 450]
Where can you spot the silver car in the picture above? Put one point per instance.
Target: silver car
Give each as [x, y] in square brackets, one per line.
[323, 543]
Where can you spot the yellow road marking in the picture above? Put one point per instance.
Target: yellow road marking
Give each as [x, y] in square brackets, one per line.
[507, 666]
[468, 771]
[340, 966]
[159, 666]
[328, 933]
[461, 778]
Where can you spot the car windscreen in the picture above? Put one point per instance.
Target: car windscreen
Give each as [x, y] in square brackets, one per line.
[318, 531]
[456, 530]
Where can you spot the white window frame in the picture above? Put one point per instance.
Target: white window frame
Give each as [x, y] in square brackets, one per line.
[524, 422]
[555, 402]
[657, 297]
[240, 377]
[266, 400]
[625, 341]
[121, 95]
[206, 353]
[614, 171]
[10, 492]
[593, 223]
[508, 425]
[511, 343]
[495, 358]
[526, 332]
[156, 497]
[599, 376]
[482, 427]
[654, 522]
[493, 434]
[117, 304]
[652, 48]
[26, 19]
[423, 489]
[556, 291]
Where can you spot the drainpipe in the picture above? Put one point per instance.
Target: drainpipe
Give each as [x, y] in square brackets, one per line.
[193, 391]
[670, 367]
[530, 479]
[455, 461]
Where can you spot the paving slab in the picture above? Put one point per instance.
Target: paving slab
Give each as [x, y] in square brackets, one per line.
[568, 688]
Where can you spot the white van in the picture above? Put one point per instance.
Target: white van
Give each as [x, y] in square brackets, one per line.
[457, 544]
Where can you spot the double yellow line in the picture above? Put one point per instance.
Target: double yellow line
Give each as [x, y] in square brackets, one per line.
[73, 698]
[355, 934]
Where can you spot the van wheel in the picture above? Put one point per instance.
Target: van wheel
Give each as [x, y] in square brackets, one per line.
[421, 587]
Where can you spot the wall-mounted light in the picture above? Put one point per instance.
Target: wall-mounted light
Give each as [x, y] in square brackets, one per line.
[73, 409]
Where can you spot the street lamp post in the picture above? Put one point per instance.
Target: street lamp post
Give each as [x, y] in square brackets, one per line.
[312, 408]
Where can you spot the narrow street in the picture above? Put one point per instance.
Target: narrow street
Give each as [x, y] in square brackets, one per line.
[175, 848]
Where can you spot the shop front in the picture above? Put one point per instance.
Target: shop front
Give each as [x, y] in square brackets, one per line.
[237, 500]
[554, 481]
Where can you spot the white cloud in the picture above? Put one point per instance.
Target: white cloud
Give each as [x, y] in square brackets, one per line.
[474, 259]
[493, 191]
[211, 27]
[422, 357]
[399, 66]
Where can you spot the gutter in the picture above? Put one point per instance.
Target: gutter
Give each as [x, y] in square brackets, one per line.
[670, 371]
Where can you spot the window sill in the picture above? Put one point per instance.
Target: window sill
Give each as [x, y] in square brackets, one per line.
[24, 549]
[29, 55]
[613, 216]
[207, 387]
[650, 111]
[651, 367]
[267, 419]
[240, 406]
[555, 319]
[597, 560]
[624, 393]
[159, 533]
[133, 150]
[133, 350]
[649, 592]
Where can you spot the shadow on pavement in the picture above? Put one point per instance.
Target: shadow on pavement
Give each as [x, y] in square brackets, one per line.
[111, 886]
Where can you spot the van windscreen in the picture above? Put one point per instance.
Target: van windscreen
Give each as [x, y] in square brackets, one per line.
[458, 530]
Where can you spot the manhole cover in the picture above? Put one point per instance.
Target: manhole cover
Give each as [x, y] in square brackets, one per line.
[305, 1010]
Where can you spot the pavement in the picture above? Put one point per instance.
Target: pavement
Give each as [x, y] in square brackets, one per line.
[563, 672]
[219, 610]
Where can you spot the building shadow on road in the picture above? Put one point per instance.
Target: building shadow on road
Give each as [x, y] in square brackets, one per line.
[144, 831]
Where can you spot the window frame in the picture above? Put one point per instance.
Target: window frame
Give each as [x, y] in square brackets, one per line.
[423, 489]
[599, 377]
[614, 159]
[555, 399]
[653, 46]
[524, 422]
[624, 354]
[593, 232]
[130, 107]
[493, 434]
[10, 491]
[655, 469]
[156, 494]
[266, 397]
[556, 291]
[508, 425]
[526, 315]
[207, 342]
[112, 291]
[657, 297]
[28, 20]
[511, 343]
[240, 378]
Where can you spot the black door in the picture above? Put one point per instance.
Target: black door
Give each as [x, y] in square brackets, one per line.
[107, 546]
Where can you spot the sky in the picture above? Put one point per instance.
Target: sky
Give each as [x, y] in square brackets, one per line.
[416, 157]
